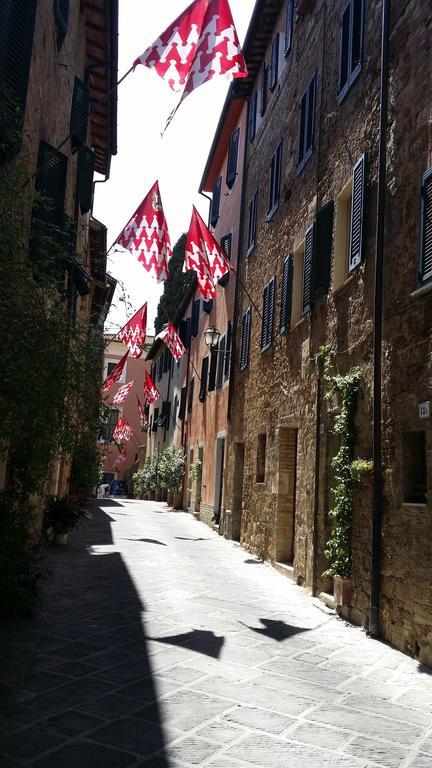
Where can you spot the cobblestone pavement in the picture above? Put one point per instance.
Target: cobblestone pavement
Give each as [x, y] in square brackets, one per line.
[161, 644]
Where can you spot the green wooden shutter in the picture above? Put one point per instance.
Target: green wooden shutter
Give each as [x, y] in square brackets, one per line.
[191, 395]
[182, 407]
[233, 158]
[226, 245]
[265, 306]
[220, 362]
[213, 369]
[286, 297]
[323, 250]
[79, 113]
[357, 214]
[86, 165]
[245, 339]
[263, 89]
[50, 181]
[274, 73]
[215, 205]
[426, 227]
[196, 307]
[268, 313]
[204, 377]
[308, 269]
[252, 115]
[228, 350]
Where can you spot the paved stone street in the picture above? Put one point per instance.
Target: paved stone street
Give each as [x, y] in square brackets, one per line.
[162, 644]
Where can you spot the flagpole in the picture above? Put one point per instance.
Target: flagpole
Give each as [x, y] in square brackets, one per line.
[244, 287]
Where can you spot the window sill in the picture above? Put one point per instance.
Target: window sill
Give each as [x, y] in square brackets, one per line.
[421, 504]
[250, 249]
[230, 181]
[303, 162]
[343, 93]
[340, 288]
[266, 348]
[272, 211]
[422, 290]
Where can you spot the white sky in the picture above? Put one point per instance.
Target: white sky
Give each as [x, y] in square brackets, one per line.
[177, 160]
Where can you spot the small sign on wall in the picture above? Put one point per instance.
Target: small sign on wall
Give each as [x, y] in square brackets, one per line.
[424, 410]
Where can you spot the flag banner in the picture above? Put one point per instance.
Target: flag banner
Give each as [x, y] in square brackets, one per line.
[123, 392]
[172, 341]
[142, 415]
[199, 45]
[146, 235]
[121, 458]
[151, 392]
[115, 374]
[133, 334]
[205, 256]
[122, 431]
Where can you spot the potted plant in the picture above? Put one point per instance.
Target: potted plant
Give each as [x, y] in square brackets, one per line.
[171, 470]
[61, 516]
[362, 471]
[195, 472]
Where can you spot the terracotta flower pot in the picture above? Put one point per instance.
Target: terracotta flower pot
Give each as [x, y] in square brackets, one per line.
[170, 497]
[342, 590]
[177, 500]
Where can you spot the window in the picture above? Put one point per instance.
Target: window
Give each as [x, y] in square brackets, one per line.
[297, 289]
[286, 294]
[166, 360]
[155, 420]
[61, 17]
[228, 351]
[220, 362]
[109, 424]
[357, 214]
[233, 158]
[245, 339]
[263, 89]
[226, 245]
[351, 45]
[253, 101]
[309, 247]
[164, 418]
[213, 369]
[307, 121]
[288, 26]
[414, 467]
[208, 306]
[275, 179]
[261, 458]
[267, 314]
[191, 394]
[342, 236]
[204, 378]
[51, 181]
[185, 332]
[274, 67]
[425, 271]
[196, 309]
[252, 226]
[182, 407]
[215, 204]
[17, 20]
[86, 165]
[322, 250]
[79, 113]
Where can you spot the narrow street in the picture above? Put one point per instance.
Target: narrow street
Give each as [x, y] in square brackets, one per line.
[162, 644]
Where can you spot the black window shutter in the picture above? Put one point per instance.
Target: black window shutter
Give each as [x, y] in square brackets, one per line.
[310, 114]
[86, 164]
[426, 227]
[265, 302]
[61, 17]
[166, 357]
[220, 362]
[274, 62]
[228, 350]
[79, 113]
[233, 158]
[191, 394]
[182, 408]
[302, 132]
[155, 420]
[344, 47]
[215, 205]
[308, 269]
[253, 101]
[245, 339]
[17, 22]
[204, 378]
[357, 213]
[51, 182]
[188, 333]
[286, 294]
[253, 207]
[226, 245]
[160, 366]
[268, 313]
[213, 369]
[196, 306]
[288, 26]
[182, 332]
[323, 250]
[263, 90]
[208, 306]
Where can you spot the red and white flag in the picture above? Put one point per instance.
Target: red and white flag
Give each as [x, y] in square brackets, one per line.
[121, 458]
[151, 392]
[142, 415]
[146, 235]
[171, 339]
[204, 255]
[115, 374]
[122, 431]
[133, 334]
[123, 392]
[199, 45]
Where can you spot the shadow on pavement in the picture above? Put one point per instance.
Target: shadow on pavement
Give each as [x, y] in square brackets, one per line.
[201, 641]
[187, 538]
[277, 630]
[148, 541]
[75, 680]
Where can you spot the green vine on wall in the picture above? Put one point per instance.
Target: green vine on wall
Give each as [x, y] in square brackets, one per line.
[342, 393]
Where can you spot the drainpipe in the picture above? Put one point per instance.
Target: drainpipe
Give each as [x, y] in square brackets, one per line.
[318, 366]
[377, 510]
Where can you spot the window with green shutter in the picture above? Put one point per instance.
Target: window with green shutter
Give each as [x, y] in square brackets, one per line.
[252, 225]
[351, 45]
[191, 394]
[274, 68]
[286, 294]
[275, 180]
[215, 204]
[288, 26]
[245, 339]
[79, 113]
[267, 314]
[204, 378]
[228, 350]
[323, 250]
[426, 228]
[220, 362]
[226, 245]
[263, 89]
[233, 158]
[213, 369]
[307, 124]
[357, 214]
[61, 18]
[308, 269]
[86, 165]
[196, 310]
[252, 116]
[182, 406]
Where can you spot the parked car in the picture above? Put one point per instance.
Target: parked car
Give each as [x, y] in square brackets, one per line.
[119, 489]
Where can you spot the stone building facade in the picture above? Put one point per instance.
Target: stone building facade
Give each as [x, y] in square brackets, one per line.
[308, 246]
[57, 61]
